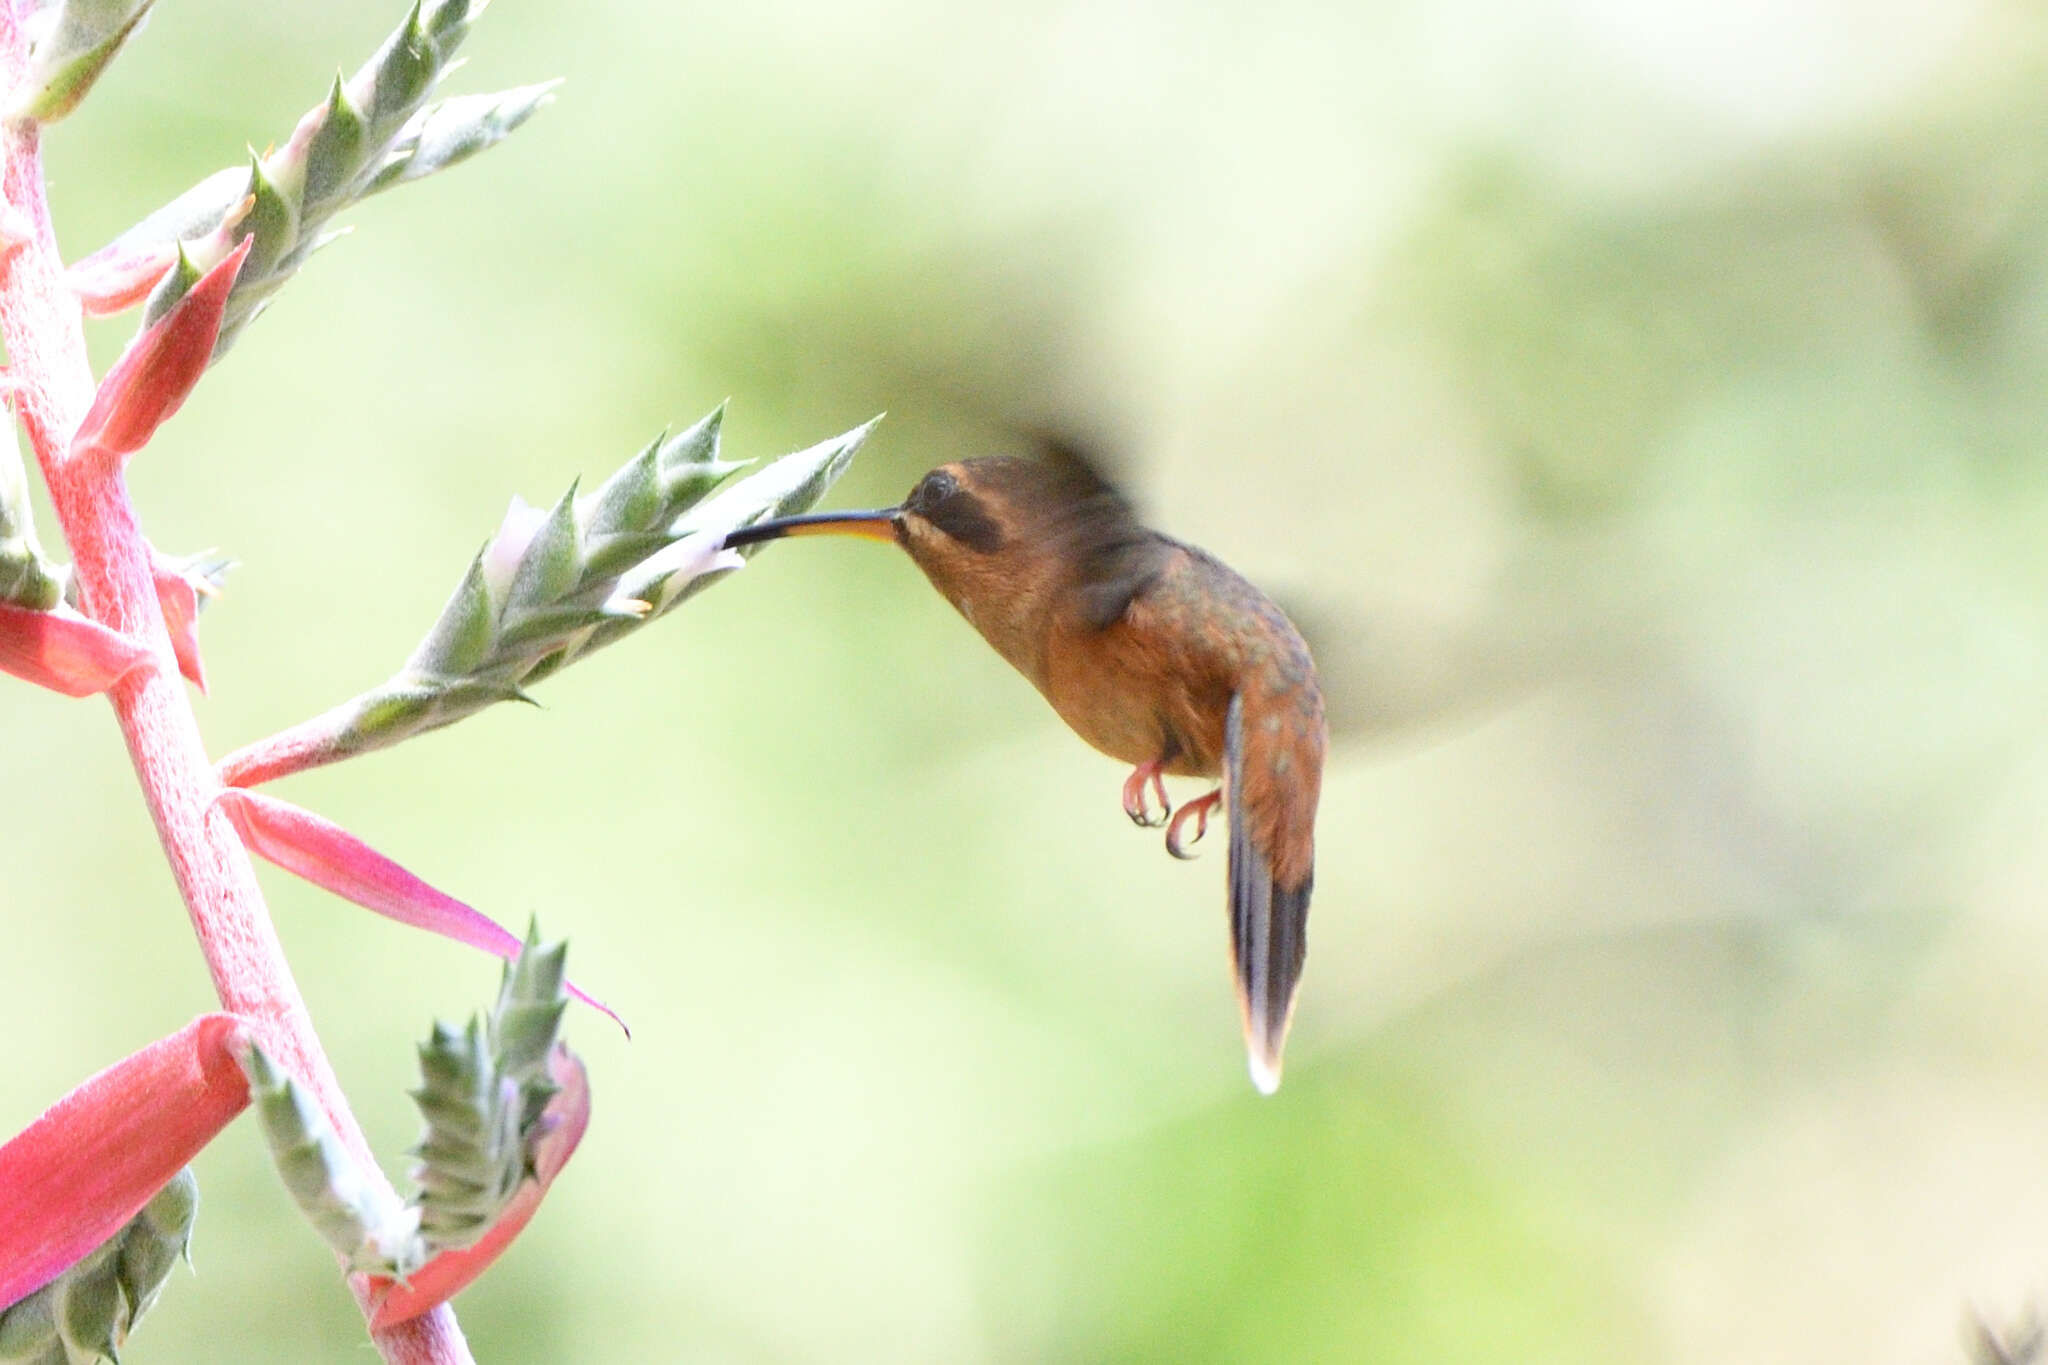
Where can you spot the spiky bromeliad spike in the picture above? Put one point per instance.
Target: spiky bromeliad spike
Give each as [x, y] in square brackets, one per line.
[552, 587]
[374, 130]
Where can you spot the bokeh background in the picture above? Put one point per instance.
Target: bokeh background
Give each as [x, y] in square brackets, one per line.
[1644, 407]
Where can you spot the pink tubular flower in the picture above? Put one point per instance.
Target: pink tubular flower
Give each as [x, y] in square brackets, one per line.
[71, 1179]
[159, 369]
[440, 1279]
[65, 651]
[310, 846]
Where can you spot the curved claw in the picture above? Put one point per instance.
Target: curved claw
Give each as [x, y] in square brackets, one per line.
[1199, 809]
[1135, 803]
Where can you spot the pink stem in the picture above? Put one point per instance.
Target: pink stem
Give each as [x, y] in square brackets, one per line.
[40, 321]
[308, 744]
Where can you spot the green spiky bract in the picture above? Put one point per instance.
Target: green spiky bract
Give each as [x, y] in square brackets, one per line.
[471, 1158]
[547, 592]
[71, 43]
[365, 1224]
[86, 1313]
[482, 1090]
[373, 131]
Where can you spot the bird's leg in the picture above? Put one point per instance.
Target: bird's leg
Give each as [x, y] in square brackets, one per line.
[1135, 804]
[1199, 808]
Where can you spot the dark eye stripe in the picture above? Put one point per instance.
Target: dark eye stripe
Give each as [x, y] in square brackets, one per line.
[959, 514]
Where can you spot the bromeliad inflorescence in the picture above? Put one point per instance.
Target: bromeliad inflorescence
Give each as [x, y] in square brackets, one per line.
[95, 1201]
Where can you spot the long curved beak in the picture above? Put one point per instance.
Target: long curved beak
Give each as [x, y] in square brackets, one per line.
[879, 524]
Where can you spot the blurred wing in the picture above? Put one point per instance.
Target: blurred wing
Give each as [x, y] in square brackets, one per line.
[1080, 461]
[1268, 922]
[1116, 572]
[1115, 557]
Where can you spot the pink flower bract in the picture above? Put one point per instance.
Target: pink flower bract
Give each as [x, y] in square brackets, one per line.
[71, 1179]
[325, 854]
[64, 651]
[160, 368]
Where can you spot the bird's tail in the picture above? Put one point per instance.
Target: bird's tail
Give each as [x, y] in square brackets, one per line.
[1268, 923]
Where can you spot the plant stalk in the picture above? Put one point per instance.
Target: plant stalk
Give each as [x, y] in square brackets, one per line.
[53, 386]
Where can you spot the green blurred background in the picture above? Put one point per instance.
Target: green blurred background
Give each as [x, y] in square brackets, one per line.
[1643, 405]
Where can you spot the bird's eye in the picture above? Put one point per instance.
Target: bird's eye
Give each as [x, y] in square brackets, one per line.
[933, 489]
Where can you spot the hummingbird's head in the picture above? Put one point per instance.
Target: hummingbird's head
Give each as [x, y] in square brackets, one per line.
[999, 537]
[963, 525]
[991, 533]
[999, 504]
[952, 512]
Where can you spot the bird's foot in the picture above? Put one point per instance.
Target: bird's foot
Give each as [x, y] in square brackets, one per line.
[1199, 808]
[1135, 804]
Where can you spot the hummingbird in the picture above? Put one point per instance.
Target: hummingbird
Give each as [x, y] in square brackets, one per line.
[1154, 652]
